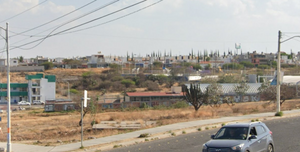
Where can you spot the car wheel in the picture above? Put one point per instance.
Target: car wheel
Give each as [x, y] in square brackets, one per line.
[270, 148]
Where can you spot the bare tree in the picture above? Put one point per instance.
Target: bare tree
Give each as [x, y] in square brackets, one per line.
[241, 89]
[215, 92]
[286, 92]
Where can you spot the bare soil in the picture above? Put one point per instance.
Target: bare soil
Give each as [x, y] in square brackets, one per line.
[40, 128]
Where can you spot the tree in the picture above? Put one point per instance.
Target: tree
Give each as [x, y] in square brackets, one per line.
[269, 93]
[229, 78]
[47, 65]
[127, 82]
[234, 66]
[241, 89]
[195, 96]
[215, 92]
[208, 66]
[21, 59]
[157, 64]
[247, 64]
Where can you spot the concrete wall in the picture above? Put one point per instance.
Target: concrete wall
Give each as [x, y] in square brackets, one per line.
[24, 68]
[47, 90]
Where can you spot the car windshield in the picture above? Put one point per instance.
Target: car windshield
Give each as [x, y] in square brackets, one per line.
[235, 133]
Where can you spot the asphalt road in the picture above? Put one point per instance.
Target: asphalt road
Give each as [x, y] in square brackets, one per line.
[285, 133]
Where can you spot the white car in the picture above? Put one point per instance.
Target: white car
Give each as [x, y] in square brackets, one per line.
[21, 103]
[36, 102]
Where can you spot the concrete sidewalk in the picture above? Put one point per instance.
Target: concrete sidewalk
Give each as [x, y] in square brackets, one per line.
[133, 135]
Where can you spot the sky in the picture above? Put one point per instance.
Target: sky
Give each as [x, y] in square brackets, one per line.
[49, 28]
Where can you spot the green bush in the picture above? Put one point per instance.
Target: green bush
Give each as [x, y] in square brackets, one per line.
[144, 135]
[144, 105]
[263, 66]
[86, 74]
[127, 82]
[93, 122]
[74, 91]
[280, 113]
[180, 104]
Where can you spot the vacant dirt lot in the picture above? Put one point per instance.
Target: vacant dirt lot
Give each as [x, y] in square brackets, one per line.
[38, 127]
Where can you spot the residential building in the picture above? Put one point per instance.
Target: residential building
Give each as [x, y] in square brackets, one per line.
[40, 87]
[37, 88]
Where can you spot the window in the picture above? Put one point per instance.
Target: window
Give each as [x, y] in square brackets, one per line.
[253, 131]
[260, 130]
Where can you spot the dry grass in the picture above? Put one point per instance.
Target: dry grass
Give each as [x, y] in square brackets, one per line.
[37, 127]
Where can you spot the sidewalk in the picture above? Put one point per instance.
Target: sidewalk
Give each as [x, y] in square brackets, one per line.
[152, 131]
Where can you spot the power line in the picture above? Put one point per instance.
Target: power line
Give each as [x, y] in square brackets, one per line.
[24, 11]
[50, 34]
[115, 18]
[54, 19]
[55, 28]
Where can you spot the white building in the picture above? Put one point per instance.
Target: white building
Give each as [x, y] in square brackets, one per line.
[41, 88]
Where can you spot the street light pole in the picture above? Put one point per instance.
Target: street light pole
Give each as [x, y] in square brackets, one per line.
[278, 70]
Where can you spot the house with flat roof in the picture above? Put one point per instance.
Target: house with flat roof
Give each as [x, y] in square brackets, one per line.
[41, 87]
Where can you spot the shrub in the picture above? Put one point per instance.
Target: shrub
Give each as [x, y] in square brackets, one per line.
[105, 85]
[74, 91]
[117, 78]
[144, 105]
[280, 113]
[173, 134]
[183, 132]
[262, 66]
[199, 129]
[93, 122]
[86, 74]
[152, 86]
[180, 104]
[117, 146]
[127, 82]
[117, 86]
[144, 135]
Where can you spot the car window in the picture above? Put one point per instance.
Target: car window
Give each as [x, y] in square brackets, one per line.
[260, 130]
[253, 131]
[238, 133]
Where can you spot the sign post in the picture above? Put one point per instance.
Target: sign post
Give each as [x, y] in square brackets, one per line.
[83, 104]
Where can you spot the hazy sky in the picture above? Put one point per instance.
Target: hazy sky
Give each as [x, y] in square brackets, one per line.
[171, 25]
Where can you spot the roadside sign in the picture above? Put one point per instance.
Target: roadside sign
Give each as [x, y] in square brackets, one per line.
[274, 81]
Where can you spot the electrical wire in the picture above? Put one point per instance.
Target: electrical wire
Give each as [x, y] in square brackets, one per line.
[23, 11]
[50, 34]
[115, 18]
[55, 28]
[54, 19]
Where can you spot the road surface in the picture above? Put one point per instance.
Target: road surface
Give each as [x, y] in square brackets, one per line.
[285, 133]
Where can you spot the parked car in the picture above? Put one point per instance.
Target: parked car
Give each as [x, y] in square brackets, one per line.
[36, 102]
[241, 137]
[21, 103]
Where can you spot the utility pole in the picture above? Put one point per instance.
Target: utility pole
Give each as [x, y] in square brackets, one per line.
[278, 75]
[8, 90]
